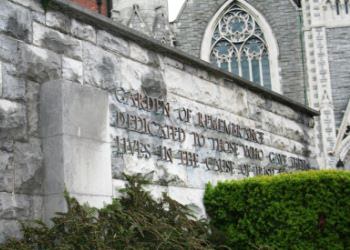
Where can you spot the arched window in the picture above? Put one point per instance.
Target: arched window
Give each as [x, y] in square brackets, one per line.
[238, 45]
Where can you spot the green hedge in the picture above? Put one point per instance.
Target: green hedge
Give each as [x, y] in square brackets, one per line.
[306, 210]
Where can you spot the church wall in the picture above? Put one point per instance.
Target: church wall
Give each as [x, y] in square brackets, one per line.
[339, 58]
[60, 72]
[283, 18]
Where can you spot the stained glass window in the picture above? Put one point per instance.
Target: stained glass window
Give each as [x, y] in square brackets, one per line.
[238, 45]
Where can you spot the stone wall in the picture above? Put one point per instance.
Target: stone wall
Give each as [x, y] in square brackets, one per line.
[339, 56]
[60, 72]
[282, 16]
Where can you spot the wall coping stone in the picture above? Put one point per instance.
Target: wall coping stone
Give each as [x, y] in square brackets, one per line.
[75, 11]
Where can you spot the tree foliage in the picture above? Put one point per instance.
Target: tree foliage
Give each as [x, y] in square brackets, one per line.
[135, 221]
[307, 210]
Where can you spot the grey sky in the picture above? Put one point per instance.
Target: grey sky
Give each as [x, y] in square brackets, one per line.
[174, 8]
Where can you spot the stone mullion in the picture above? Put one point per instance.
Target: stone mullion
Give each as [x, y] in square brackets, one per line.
[319, 80]
[312, 78]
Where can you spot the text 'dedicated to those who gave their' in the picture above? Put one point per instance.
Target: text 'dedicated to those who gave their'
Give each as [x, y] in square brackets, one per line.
[196, 139]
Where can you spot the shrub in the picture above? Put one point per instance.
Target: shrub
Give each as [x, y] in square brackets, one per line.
[306, 210]
[135, 221]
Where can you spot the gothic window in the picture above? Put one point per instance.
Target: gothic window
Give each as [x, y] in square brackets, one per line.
[238, 46]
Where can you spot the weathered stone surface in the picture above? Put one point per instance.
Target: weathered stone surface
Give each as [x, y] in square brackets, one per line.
[112, 43]
[153, 84]
[72, 70]
[203, 91]
[66, 108]
[6, 145]
[31, 4]
[9, 229]
[15, 21]
[19, 207]
[203, 74]
[101, 69]
[172, 62]
[58, 21]
[74, 121]
[143, 55]
[56, 41]
[39, 17]
[8, 49]
[193, 198]
[0, 79]
[6, 170]
[6, 161]
[32, 100]
[132, 73]
[38, 65]
[28, 162]
[83, 31]
[14, 206]
[7, 178]
[13, 87]
[12, 114]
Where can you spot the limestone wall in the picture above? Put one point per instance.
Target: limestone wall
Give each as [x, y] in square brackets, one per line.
[68, 75]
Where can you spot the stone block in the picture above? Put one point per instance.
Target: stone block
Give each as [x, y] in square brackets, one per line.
[101, 69]
[9, 229]
[83, 31]
[28, 162]
[6, 171]
[13, 87]
[72, 70]
[6, 181]
[202, 91]
[12, 115]
[31, 4]
[56, 41]
[38, 65]
[19, 207]
[16, 21]
[143, 55]
[6, 145]
[6, 161]
[0, 79]
[32, 100]
[8, 49]
[39, 17]
[74, 122]
[58, 21]
[14, 207]
[82, 166]
[112, 43]
[193, 198]
[132, 73]
[68, 106]
[174, 63]
[153, 84]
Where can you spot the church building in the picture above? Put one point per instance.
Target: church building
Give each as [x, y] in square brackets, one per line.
[94, 90]
[299, 49]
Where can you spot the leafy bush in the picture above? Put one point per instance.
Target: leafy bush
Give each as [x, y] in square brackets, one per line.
[306, 210]
[135, 221]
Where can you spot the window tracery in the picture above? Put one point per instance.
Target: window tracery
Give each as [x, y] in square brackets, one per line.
[238, 46]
